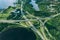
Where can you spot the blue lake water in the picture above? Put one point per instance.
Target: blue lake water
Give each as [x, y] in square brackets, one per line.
[6, 3]
[35, 6]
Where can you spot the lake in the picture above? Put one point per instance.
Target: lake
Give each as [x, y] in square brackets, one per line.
[5, 3]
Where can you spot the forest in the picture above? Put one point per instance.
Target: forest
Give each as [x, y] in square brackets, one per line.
[31, 20]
